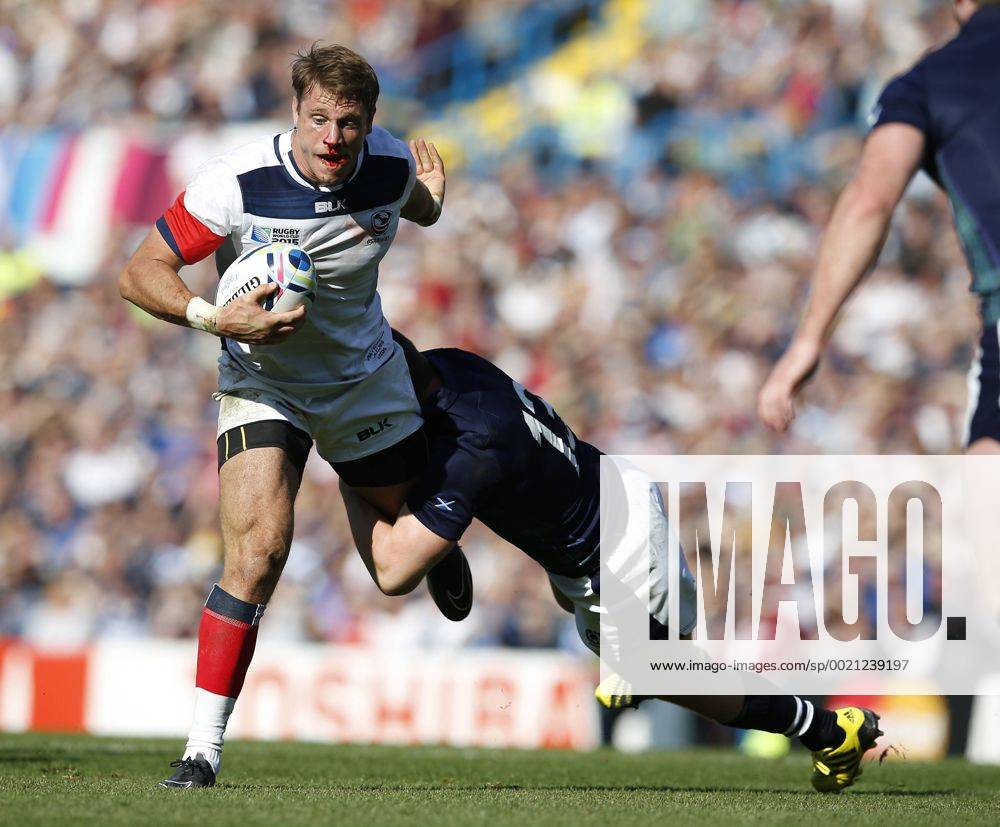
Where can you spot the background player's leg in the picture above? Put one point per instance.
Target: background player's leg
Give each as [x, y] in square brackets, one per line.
[790, 715]
[838, 739]
[721, 708]
[785, 714]
[257, 495]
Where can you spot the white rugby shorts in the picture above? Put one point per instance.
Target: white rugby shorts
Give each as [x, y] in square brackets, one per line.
[352, 422]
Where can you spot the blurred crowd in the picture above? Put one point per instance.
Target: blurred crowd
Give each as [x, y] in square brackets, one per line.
[643, 284]
[77, 63]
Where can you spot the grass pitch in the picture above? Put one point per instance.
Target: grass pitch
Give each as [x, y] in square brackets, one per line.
[77, 780]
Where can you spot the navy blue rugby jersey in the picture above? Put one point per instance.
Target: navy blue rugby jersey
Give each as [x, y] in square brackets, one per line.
[501, 454]
[952, 97]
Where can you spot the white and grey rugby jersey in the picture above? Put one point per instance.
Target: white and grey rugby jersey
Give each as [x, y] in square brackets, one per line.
[256, 194]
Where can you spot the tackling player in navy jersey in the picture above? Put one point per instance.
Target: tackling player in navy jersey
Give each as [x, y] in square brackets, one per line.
[501, 454]
[335, 185]
[942, 116]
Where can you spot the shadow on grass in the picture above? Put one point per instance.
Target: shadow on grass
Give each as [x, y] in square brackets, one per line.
[569, 788]
[20, 758]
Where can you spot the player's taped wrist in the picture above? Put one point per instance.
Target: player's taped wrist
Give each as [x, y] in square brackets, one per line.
[202, 315]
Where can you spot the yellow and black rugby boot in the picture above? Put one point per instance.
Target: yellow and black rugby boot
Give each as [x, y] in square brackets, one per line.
[836, 768]
[615, 692]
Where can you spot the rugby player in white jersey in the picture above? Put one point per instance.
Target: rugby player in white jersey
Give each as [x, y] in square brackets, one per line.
[336, 186]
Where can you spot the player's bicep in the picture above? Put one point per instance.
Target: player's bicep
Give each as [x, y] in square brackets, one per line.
[150, 279]
[145, 268]
[154, 248]
[891, 156]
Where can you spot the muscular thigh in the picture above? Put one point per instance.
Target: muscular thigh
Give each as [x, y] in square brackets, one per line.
[256, 502]
[386, 477]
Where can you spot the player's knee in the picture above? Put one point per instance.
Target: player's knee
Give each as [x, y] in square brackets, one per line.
[267, 563]
[256, 577]
[258, 558]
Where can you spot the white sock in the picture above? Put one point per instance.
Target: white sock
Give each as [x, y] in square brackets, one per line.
[211, 714]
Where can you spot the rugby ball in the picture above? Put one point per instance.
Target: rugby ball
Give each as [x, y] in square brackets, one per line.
[289, 267]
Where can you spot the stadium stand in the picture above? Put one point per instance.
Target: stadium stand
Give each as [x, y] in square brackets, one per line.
[604, 249]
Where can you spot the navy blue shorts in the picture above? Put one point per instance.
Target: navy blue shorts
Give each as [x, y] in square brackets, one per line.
[983, 417]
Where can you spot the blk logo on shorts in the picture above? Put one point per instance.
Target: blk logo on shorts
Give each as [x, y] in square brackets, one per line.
[374, 430]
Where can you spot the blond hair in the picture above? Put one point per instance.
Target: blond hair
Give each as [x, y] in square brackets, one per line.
[338, 70]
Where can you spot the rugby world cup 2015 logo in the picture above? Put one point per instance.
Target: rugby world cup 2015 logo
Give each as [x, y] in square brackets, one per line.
[805, 567]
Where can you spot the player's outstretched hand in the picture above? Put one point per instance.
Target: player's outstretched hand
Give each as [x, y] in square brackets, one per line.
[430, 167]
[245, 319]
[775, 405]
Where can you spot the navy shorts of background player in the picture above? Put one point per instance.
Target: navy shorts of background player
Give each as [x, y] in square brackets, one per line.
[953, 97]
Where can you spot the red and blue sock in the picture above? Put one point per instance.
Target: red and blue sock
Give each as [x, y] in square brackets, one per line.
[226, 641]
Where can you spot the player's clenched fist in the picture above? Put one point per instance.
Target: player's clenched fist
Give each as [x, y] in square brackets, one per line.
[245, 319]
